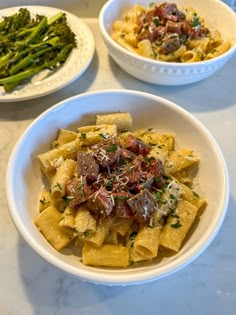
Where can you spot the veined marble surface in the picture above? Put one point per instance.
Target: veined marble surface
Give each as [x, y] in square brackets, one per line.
[29, 285]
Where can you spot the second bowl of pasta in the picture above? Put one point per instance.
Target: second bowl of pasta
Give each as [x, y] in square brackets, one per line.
[169, 43]
[117, 196]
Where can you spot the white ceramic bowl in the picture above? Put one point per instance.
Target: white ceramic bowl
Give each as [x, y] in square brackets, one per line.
[216, 13]
[24, 183]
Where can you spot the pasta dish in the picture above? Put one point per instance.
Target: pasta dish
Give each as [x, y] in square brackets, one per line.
[117, 194]
[164, 32]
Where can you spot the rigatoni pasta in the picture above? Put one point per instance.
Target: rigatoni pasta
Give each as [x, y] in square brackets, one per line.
[120, 194]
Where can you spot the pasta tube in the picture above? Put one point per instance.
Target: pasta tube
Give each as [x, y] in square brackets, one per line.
[52, 159]
[68, 218]
[84, 221]
[63, 174]
[123, 121]
[107, 255]
[176, 228]
[191, 196]
[134, 256]
[147, 241]
[48, 224]
[45, 200]
[180, 159]
[64, 136]
[90, 135]
[98, 237]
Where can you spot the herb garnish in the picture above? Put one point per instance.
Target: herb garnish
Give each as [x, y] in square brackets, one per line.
[86, 234]
[176, 225]
[156, 21]
[195, 194]
[75, 231]
[112, 148]
[104, 135]
[42, 201]
[66, 199]
[173, 214]
[133, 235]
[195, 21]
[58, 185]
[83, 135]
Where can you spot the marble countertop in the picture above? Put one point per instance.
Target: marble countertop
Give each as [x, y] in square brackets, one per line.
[29, 285]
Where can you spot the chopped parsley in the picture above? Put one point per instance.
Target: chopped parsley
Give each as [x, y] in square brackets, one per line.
[112, 148]
[86, 234]
[156, 21]
[83, 135]
[133, 235]
[195, 194]
[158, 196]
[195, 21]
[42, 201]
[148, 160]
[109, 184]
[131, 262]
[66, 199]
[75, 231]
[213, 51]
[104, 135]
[173, 214]
[176, 225]
[202, 56]
[122, 35]
[58, 185]
[183, 39]
[153, 54]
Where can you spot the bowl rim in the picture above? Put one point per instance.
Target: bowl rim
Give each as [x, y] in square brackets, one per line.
[92, 275]
[122, 50]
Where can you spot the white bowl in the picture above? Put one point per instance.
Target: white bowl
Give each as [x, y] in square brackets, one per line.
[24, 183]
[216, 13]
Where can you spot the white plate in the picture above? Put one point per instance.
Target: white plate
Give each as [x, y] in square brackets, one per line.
[75, 65]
